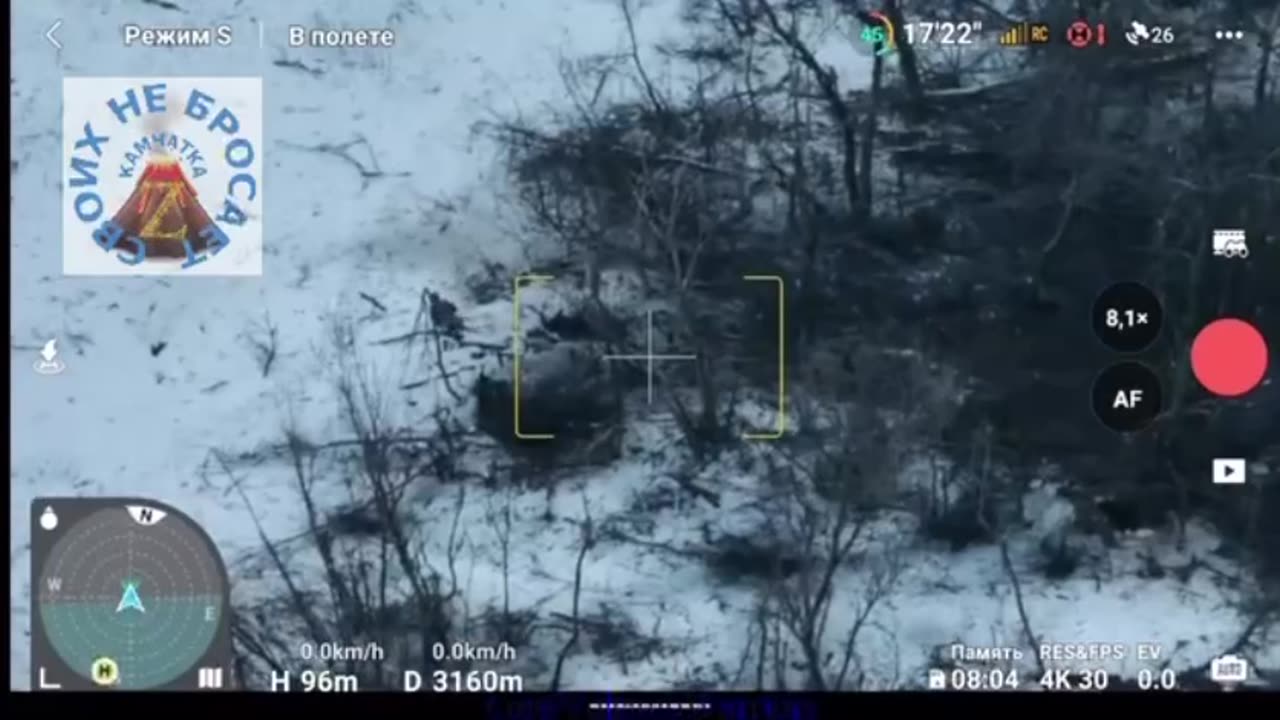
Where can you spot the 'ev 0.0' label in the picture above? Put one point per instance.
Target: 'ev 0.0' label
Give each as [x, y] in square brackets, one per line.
[162, 176]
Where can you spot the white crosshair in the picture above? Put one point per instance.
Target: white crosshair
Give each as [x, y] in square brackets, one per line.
[649, 357]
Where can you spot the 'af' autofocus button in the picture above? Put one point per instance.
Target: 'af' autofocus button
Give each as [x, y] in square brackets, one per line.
[1127, 396]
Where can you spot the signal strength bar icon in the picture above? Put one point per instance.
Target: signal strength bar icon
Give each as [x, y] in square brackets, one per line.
[209, 678]
[1025, 33]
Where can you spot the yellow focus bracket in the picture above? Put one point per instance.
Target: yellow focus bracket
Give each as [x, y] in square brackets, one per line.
[517, 335]
[780, 427]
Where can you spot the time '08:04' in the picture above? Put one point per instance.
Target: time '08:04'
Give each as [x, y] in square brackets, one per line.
[985, 679]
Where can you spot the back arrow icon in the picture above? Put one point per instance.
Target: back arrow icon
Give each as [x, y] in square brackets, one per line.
[49, 35]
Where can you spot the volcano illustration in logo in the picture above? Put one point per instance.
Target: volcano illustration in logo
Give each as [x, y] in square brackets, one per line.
[164, 211]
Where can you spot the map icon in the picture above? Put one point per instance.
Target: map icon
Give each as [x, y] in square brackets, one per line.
[130, 594]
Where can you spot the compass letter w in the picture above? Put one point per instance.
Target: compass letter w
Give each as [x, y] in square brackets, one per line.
[54, 584]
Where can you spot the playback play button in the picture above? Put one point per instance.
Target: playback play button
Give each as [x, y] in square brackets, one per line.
[1229, 471]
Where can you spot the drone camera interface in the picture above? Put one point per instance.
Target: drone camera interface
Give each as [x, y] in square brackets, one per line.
[726, 352]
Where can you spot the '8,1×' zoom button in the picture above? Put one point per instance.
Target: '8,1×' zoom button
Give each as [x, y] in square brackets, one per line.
[1127, 396]
[1127, 317]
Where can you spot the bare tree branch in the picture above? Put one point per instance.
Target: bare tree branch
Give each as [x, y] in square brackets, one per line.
[649, 89]
[829, 85]
[587, 535]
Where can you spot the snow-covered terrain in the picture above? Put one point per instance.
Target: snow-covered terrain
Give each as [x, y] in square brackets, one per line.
[125, 420]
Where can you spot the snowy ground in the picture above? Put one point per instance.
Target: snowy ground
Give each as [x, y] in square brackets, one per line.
[332, 236]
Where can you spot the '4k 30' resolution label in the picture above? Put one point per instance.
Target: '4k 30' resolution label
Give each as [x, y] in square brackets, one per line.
[162, 176]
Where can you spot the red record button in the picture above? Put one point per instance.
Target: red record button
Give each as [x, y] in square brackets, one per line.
[1229, 357]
